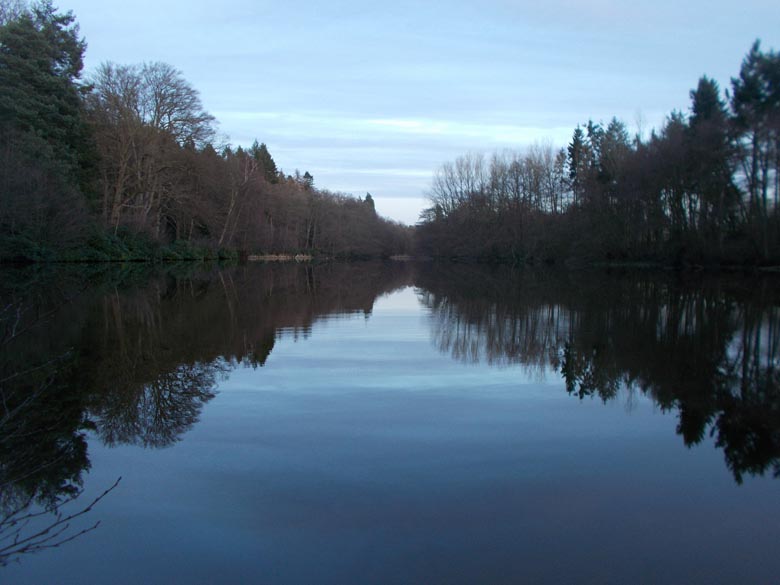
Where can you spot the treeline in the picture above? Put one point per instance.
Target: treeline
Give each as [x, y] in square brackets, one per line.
[124, 165]
[703, 189]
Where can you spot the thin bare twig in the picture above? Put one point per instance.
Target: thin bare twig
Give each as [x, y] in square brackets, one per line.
[49, 537]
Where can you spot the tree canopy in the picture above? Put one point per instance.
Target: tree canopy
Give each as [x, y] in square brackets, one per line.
[126, 163]
[702, 189]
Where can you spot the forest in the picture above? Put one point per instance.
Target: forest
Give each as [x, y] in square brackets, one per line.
[124, 164]
[701, 190]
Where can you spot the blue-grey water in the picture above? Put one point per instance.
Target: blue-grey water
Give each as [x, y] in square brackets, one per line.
[392, 424]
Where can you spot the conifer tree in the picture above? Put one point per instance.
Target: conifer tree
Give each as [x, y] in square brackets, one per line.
[369, 201]
[40, 103]
[266, 161]
[46, 154]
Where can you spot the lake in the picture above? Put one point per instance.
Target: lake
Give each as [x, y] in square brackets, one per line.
[388, 423]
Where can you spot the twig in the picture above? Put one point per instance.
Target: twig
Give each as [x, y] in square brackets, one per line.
[48, 537]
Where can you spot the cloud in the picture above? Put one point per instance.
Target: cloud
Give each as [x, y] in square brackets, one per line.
[375, 96]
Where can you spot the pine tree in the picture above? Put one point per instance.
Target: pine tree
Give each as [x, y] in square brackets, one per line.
[710, 153]
[40, 102]
[266, 161]
[755, 100]
[369, 201]
[47, 155]
[578, 156]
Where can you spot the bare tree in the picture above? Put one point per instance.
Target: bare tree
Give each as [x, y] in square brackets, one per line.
[11, 10]
[143, 117]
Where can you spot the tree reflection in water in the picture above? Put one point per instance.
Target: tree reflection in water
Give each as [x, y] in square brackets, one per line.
[133, 358]
[43, 449]
[157, 353]
[705, 348]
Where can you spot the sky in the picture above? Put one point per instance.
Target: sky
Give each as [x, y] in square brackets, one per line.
[374, 97]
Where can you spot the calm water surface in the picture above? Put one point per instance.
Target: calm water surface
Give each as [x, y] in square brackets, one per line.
[390, 424]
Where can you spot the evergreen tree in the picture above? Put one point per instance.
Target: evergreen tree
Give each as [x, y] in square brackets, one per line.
[577, 160]
[266, 161]
[710, 155]
[614, 149]
[369, 201]
[755, 101]
[40, 65]
[46, 155]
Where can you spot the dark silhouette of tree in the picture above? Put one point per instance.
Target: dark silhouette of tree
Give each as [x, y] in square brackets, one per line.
[577, 159]
[711, 172]
[308, 180]
[369, 201]
[266, 163]
[755, 101]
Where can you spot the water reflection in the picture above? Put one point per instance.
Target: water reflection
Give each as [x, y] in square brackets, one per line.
[133, 356]
[139, 358]
[43, 450]
[707, 349]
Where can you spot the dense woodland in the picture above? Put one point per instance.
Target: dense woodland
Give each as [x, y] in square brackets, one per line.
[124, 164]
[703, 189]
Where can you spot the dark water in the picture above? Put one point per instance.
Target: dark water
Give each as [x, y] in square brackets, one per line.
[389, 424]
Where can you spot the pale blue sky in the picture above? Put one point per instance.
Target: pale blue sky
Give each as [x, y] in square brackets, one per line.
[374, 97]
